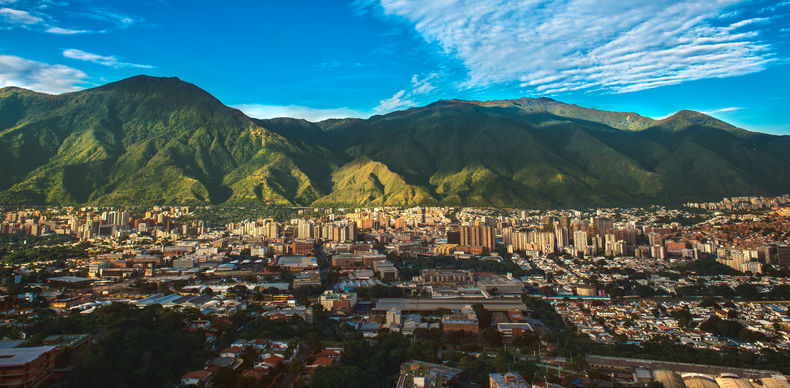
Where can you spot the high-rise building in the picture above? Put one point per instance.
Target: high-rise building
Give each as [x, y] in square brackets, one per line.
[580, 240]
[478, 236]
[782, 257]
[304, 229]
[561, 235]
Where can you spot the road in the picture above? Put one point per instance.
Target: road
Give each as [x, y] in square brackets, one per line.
[287, 378]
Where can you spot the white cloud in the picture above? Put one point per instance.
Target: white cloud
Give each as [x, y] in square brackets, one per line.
[39, 76]
[15, 16]
[111, 61]
[40, 16]
[722, 110]
[260, 111]
[399, 100]
[406, 98]
[567, 45]
[65, 31]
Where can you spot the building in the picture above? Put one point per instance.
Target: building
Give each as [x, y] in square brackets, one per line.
[782, 257]
[386, 270]
[500, 284]
[506, 380]
[585, 290]
[512, 330]
[346, 260]
[446, 277]
[668, 379]
[297, 263]
[302, 247]
[307, 278]
[465, 320]
[196, 377]
[331, 300]
[478, 236]
[580, 240]
[427, 375]
[426, 305]
[26, 367]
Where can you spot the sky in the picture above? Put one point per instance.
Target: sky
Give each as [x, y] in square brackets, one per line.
[319, 59]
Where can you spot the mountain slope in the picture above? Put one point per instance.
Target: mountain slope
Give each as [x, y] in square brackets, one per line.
[148, 140]
[140, 140]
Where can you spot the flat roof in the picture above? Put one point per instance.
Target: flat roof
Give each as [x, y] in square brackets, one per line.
[70, 279]
[431, 304]
[679, 367]
[297, 260]
[20, 356]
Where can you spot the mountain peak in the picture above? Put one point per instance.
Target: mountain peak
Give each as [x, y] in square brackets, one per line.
[170, 89]
[686, 118]
[8, 90]
[143, 80]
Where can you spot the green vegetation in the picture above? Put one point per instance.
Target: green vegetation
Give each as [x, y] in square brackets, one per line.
[412, 266]
[24, 249]
[149, 347]
[147, 140]
[722, 327]
[374, 363]
[543, 311]
[707, 267]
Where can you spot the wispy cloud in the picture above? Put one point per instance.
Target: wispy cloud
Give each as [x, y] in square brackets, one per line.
[407, 97]
[260, 111]
[18, 16]
[65, 31]
[722, 110]
[110, 60]
[399, 100]
[560, 46]
[43, 16]
[39, 76]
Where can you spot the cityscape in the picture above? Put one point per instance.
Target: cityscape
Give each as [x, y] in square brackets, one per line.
[395, 193]
[423, 296]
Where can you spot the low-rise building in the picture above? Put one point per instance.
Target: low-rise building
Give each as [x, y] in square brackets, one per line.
[26, 367]
[331, 300]
[506, 380]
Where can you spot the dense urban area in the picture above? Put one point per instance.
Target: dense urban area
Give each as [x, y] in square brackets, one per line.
[420, 297]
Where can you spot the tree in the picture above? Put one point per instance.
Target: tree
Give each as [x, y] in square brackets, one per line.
[239, 291]
[721, 327]
[751, 335]
[140, 347]
[483, 316]
[492, 337]
[747, 291]
[527, 340]
[314, 342]
[295, 367]
[683, 316]
[547, 291]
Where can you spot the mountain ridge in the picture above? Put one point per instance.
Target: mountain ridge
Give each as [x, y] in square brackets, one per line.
[162, 140]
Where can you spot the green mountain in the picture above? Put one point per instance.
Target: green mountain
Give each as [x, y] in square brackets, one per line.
[147, 140]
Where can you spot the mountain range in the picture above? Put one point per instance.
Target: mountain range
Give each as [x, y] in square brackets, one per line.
[149, 140]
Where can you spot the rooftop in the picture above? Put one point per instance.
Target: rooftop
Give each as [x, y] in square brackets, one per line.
[19, 356]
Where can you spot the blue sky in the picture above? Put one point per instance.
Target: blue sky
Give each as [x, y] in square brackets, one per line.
[319, 59]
